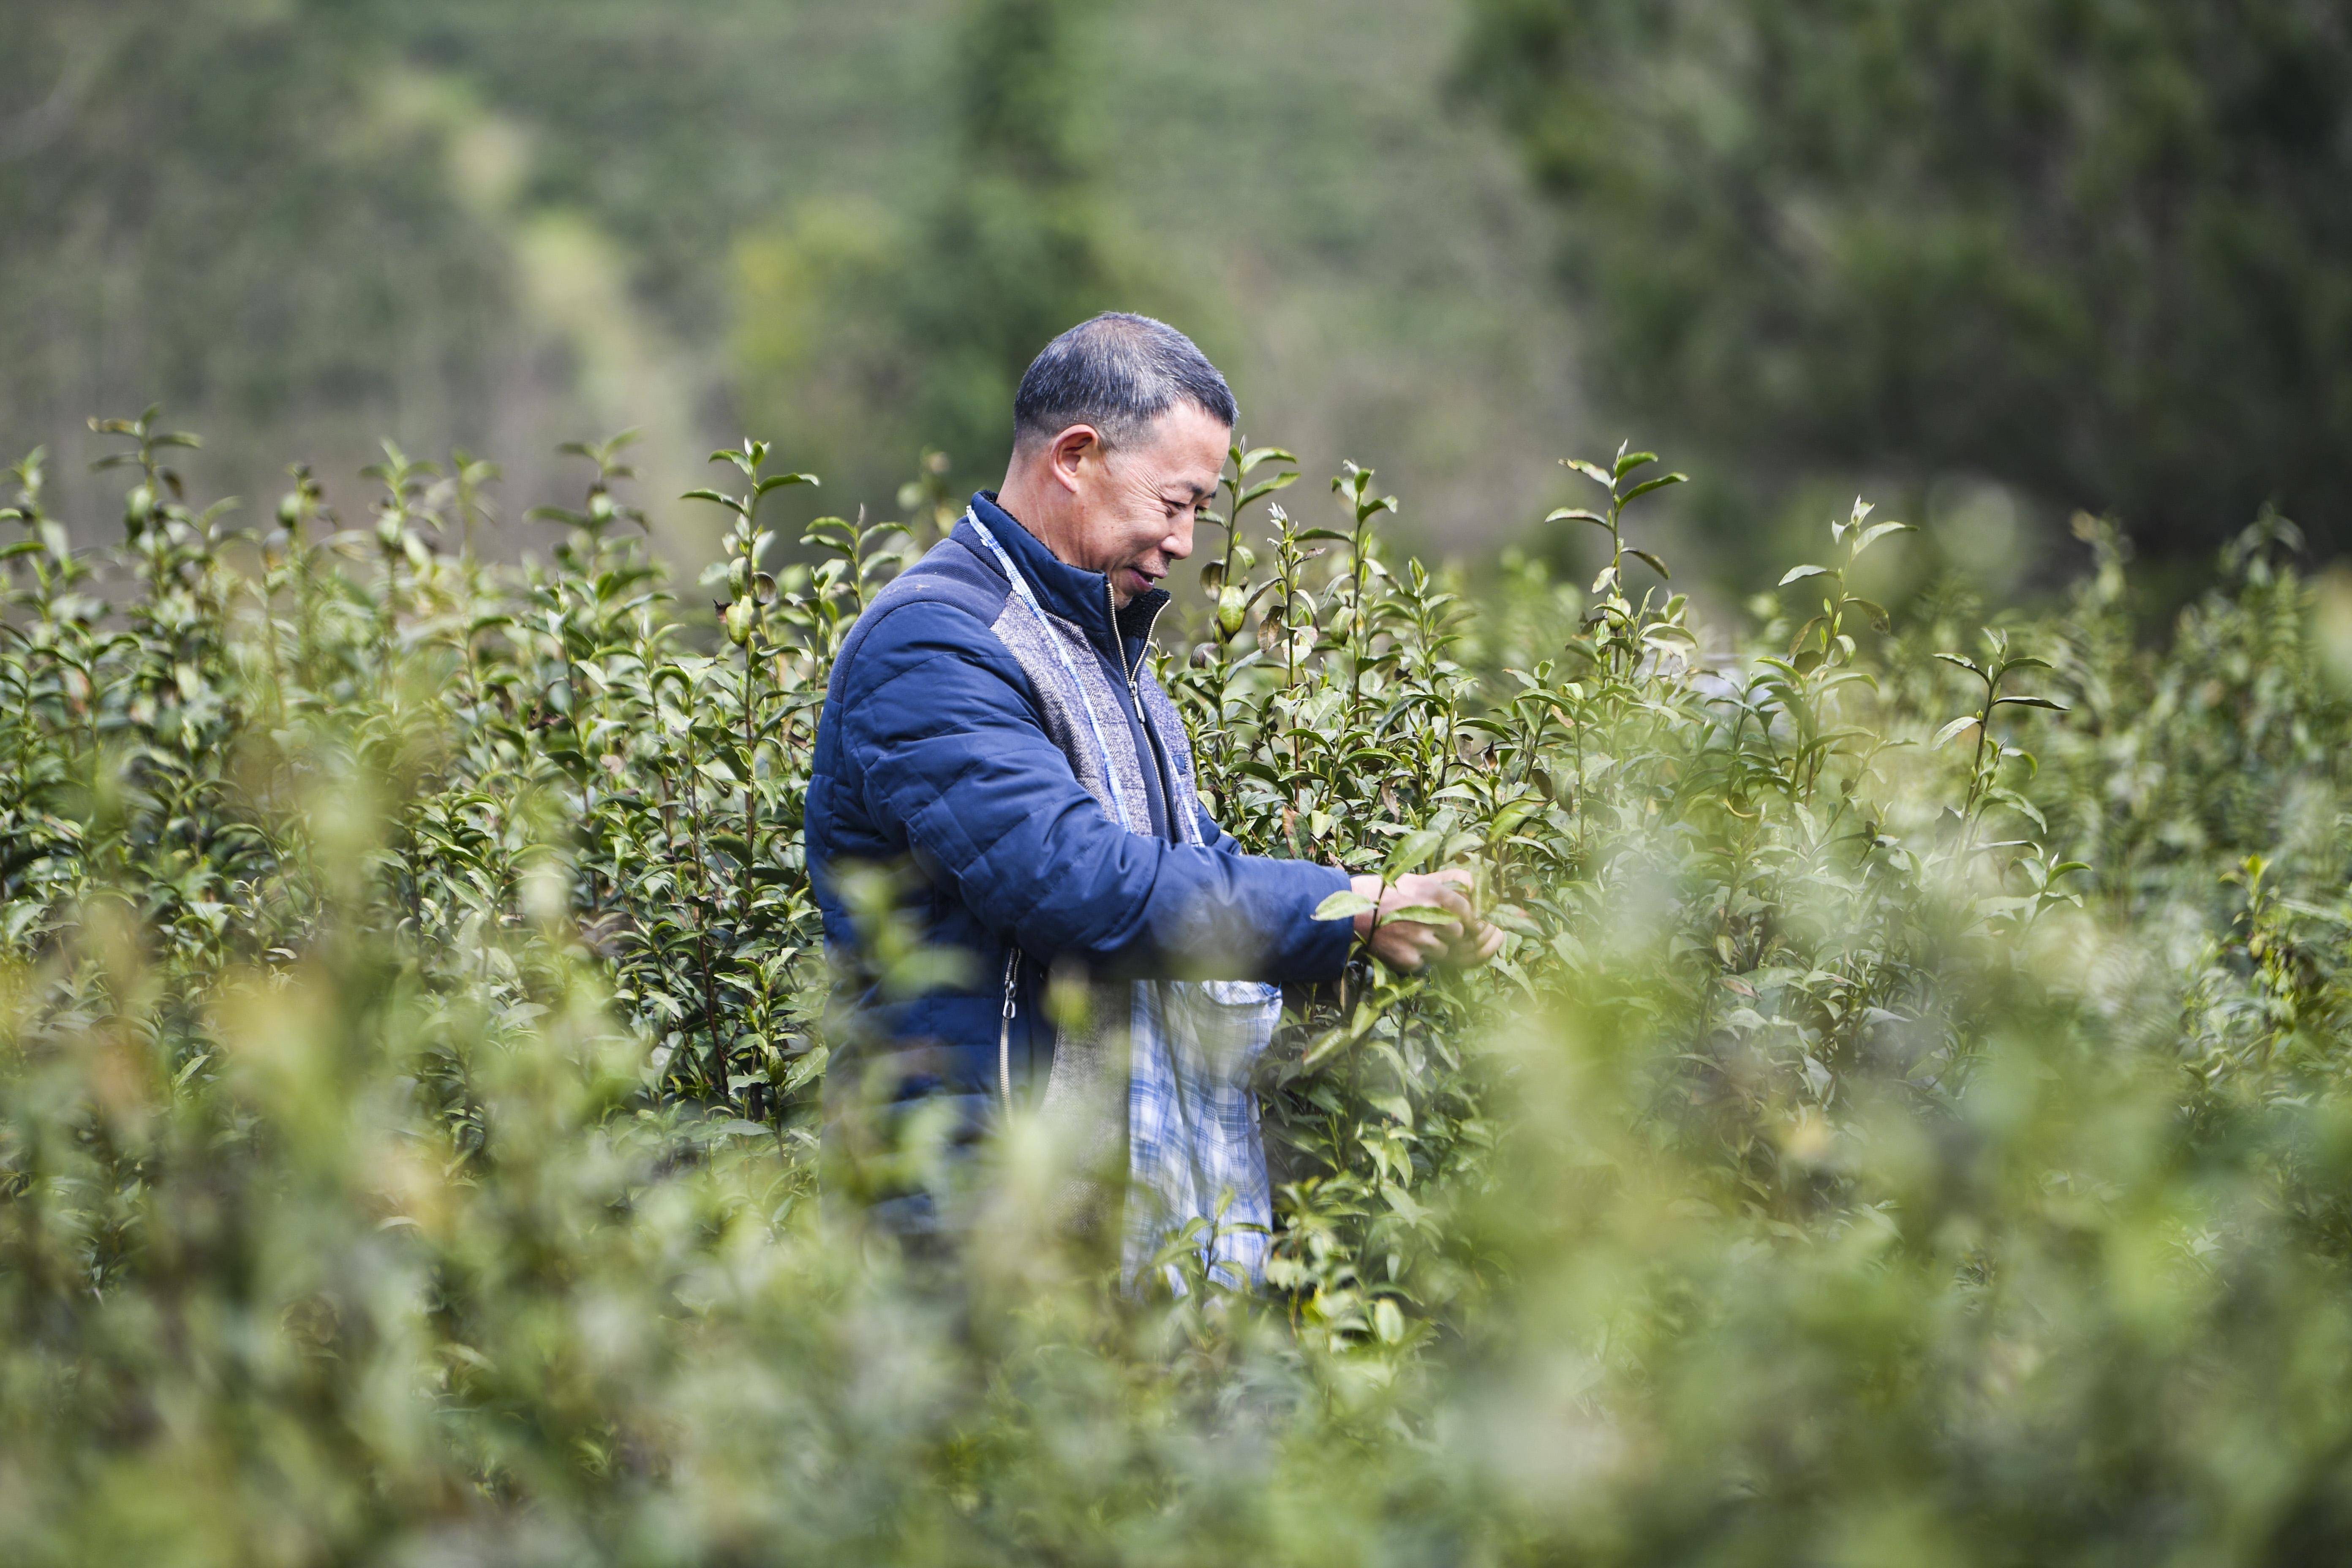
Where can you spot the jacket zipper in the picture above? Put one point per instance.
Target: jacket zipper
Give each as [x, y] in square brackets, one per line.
[1004, 1031]
[1142, 720]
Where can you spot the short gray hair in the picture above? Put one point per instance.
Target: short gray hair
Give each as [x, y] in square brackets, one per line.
[1117, 373]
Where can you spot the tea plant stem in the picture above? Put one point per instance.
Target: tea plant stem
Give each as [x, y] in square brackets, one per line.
[750, 782]
[718, 1068]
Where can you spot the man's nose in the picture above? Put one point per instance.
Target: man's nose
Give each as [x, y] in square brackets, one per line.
[1178, 542]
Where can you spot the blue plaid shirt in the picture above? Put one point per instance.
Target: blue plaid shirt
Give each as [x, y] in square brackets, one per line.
[1192, 1140]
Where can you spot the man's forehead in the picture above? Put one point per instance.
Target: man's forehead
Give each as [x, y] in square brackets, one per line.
[1195, 475]
[1187, 447]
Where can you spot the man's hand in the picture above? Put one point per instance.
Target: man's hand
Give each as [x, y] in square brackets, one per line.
[1407, 945]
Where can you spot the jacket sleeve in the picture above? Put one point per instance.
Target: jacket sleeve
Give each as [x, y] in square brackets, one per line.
[944, 746]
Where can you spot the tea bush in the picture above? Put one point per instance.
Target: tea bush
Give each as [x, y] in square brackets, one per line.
[1907, 1120]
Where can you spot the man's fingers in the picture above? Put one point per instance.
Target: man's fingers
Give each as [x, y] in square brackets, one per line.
[1464, 939]
[1449, 884]
[1477, 944]
[1434, 890]
[1403, 944]
[1406, 944]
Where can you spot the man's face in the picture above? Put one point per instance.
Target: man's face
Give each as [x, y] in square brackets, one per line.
[1136, 507]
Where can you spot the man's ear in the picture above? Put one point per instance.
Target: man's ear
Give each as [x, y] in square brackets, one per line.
[1070, 451]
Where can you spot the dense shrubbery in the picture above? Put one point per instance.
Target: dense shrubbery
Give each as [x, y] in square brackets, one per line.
[1905, 1125]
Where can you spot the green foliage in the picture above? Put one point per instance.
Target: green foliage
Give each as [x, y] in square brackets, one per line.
[2096, 252]
[1908, 1118]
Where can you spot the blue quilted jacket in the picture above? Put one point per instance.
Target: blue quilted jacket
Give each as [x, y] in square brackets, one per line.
[948, 745]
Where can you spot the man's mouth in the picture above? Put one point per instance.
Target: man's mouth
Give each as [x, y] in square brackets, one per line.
[1142, 581]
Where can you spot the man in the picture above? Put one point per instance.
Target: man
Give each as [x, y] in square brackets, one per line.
[993, 725]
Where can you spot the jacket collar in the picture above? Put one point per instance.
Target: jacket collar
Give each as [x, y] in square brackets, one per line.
[1065, 591]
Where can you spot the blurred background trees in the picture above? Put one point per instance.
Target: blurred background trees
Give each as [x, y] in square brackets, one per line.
[1992, 261]
[227, 212]
[2100, 253]
[871, 328]
[848, 226]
